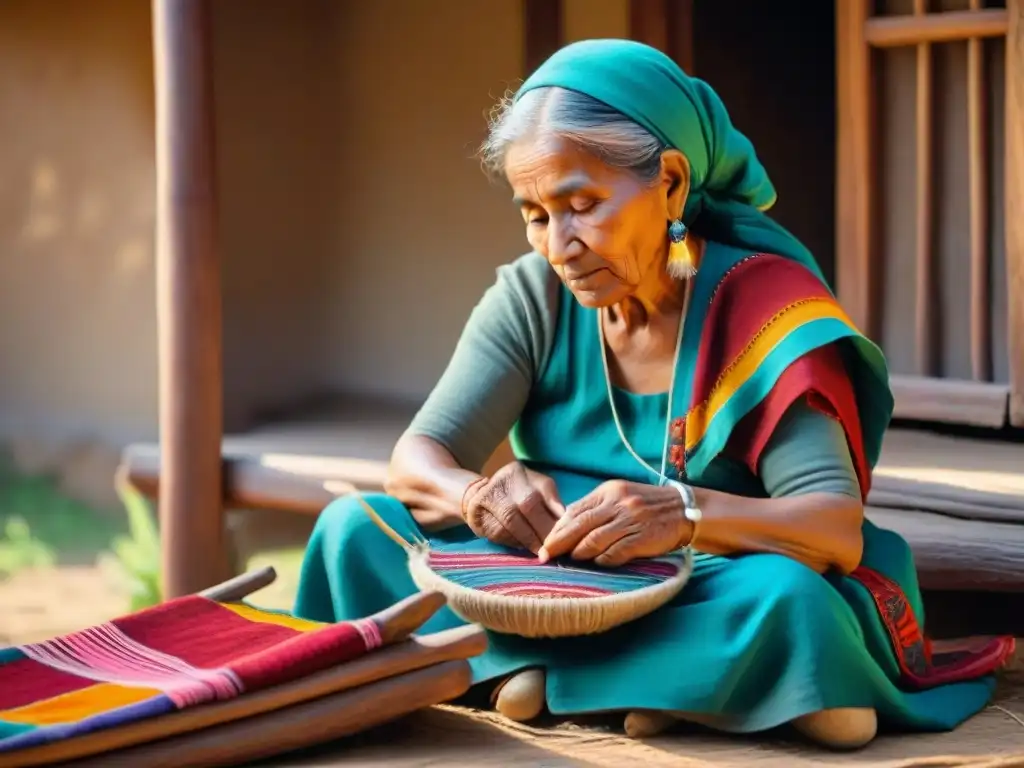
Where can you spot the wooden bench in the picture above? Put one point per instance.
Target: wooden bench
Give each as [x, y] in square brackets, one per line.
[958, 502]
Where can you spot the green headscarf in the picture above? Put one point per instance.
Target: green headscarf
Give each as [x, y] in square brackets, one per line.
[729, 188]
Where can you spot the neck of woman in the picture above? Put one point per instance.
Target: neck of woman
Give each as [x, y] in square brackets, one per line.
[657, 300]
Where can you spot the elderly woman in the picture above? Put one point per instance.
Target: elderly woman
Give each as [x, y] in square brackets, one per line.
[672, 371]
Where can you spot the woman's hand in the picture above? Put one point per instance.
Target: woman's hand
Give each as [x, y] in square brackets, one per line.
[515, 507]
[618, 522]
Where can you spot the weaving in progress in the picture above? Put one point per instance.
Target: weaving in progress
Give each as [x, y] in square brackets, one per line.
[174, 656]
[512, 592]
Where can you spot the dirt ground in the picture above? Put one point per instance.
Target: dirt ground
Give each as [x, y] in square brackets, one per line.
[38, 603]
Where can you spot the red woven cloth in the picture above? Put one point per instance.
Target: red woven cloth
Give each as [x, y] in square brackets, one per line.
[180, 654]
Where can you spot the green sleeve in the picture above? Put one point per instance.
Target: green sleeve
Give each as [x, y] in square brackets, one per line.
[499, 356]
[808, 453]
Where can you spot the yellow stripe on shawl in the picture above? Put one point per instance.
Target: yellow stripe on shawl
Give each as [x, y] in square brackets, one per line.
[267, 617]
[75, 706]
[749, 360]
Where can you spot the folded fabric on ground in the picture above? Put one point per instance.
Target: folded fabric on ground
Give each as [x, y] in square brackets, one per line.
[181, 654]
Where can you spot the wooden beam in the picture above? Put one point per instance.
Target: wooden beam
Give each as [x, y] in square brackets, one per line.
[188, 301]
[977, 157]
[856, 273]
[924, 271]
[1014, 170]
[542, 31]
[666, 25]
[950, 401]
[949, 26]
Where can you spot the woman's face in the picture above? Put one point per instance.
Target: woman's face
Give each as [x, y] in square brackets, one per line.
[602, 229]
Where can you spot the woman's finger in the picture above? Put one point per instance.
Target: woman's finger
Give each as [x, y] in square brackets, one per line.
[574, 510]
[531, 505]
[549, 492]
[493, 531]
[570, 530]
[535, 510]
[619, 553]
[517, 525]
[601, 539]
[495, 501]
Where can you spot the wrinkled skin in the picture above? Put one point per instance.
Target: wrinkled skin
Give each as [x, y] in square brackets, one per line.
[515, 507]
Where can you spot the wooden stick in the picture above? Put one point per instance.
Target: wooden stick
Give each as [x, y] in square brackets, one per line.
[666, 25]
[856, 257]
[949, 26]
[542, 32]
[1013, 162]
[300, 725]
[240, 587]
[977, 135]
[403, 618]
[924, 269]
[194, 552]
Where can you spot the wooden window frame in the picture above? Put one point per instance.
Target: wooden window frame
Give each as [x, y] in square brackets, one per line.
[923, 396]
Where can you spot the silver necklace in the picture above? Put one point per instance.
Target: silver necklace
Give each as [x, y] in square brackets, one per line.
[661, 476]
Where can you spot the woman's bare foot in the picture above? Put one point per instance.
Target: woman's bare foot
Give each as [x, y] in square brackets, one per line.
[841, 728]
[522, 696]
[645, 723]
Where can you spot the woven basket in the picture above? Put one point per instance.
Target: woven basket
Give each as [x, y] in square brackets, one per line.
[511, 592]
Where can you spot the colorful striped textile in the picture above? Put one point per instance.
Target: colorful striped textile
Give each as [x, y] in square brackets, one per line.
[759, 351]
[521, 575]
[183, 653]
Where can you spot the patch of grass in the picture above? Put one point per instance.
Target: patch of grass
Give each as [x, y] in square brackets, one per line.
[40, 527]
[35, 517]
[137, 554]
[19, 548]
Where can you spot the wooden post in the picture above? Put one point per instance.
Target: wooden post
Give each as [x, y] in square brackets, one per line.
[856, 260]
[924, 258]
[1015, 204]
[666, 25]
[542, 32]
[188, 301]
[977, 158]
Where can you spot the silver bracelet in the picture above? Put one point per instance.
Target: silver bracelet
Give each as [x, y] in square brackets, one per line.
[690, 509]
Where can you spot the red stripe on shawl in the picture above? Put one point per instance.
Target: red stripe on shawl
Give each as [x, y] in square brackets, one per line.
[205, 635]
[747, 297]
[820, 379]
[208, 635]
[201, 632]
[302, 655]
[26, 681]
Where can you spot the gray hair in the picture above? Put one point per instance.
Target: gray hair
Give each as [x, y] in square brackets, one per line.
[590, 124]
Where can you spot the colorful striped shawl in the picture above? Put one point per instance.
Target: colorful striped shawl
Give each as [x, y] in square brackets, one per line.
[180, 654]
[770, 332]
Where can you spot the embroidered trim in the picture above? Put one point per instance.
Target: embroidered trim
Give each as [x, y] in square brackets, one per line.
[729, 271]
[919, 668]
[677, 447]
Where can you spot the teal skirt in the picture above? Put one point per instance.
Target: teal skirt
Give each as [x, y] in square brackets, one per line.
[757, 640]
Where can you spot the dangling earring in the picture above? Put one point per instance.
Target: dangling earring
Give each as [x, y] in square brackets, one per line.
[681, 264]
